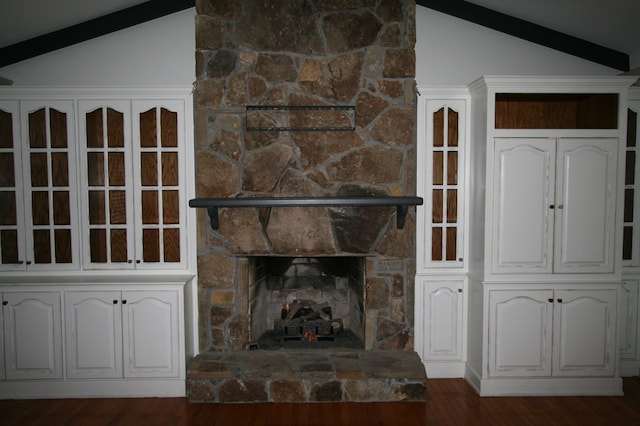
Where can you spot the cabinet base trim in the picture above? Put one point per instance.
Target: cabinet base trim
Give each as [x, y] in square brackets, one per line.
[93, 389]
[444, 370]
[522, 386]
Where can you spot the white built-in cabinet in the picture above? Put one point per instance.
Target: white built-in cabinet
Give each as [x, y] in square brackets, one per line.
[114, 334]
[564, 190]
[629, 303]
[442, 221]
[551, 332]
[546, 207]
[95, 254]
[79, 337]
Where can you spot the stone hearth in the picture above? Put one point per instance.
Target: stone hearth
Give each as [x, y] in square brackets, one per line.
[357, 54]
[306, 376]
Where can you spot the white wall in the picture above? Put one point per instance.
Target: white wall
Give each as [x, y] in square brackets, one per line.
[155, 53]
[454, 52]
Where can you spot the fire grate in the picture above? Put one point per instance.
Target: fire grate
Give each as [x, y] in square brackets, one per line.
[308, 320]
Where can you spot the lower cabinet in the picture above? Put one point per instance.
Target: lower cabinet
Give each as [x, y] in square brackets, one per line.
[440, 320]
[629, 326]
[32, 335]
[121, 334]
[92, 340]
[543, 339]
[552, 333]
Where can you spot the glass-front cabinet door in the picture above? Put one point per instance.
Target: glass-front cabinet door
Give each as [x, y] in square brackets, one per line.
[38, 214]
[11, 213]
[105, 135]
[159, 183]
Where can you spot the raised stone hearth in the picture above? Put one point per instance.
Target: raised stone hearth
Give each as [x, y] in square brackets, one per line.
[312, 375]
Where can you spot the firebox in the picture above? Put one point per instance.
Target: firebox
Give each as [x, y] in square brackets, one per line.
[310, 302]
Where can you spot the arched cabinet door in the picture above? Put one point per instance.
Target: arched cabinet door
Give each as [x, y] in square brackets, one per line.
[33, 335]
[150, 333]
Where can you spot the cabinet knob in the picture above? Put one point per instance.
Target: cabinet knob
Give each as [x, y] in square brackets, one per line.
[5, 302]
[115, 302]
[551, 206]
[28, 262]
[124, 302]
[459, 290]
[559, 300]
[560, 206]
[129, 261]
[550, 300]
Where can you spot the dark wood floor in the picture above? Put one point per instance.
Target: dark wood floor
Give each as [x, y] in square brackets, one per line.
[450, 402]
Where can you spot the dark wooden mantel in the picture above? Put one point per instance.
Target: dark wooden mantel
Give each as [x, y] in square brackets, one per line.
[212, 204]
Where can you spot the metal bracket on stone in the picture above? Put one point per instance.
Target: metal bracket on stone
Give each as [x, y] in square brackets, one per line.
[212, 204]
[316, 117]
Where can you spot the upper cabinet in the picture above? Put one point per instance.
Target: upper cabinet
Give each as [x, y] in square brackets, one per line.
[631, 227]
[133, 184]
[38, 189]
[94, 181]
[551, 151]
[442, 157]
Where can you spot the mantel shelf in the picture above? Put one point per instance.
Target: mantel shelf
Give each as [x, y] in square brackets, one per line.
[212, 204]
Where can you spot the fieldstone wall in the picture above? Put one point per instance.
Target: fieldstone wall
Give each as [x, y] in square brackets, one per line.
[302, 53]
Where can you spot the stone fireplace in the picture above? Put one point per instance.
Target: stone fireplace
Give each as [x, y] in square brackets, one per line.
[356, 55]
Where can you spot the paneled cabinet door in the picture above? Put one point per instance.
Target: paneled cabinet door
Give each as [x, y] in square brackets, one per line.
[93, 334]
[150, 333]
[584, 332]
[33, 335]
[628, 319]
[523, 191]
[585, 205]
[1, 341]
[520, 333]
[554, 205]
[443, 320]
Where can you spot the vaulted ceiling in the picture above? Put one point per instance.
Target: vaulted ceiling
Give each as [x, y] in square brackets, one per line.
[606, 32]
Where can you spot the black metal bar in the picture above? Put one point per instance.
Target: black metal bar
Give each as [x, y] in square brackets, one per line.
[212, 204]
[531, 32]
[90, 29]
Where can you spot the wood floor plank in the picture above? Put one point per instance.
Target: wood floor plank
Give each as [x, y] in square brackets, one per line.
[449, 402]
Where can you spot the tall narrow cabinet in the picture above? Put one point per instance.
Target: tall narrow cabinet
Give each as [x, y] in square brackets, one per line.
[547, 188]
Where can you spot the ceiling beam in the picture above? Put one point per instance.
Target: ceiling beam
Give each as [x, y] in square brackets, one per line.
[530, 32]
[91, 29]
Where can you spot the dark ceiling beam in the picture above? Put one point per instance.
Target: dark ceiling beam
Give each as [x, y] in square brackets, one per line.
[91, 29]
[530, 32]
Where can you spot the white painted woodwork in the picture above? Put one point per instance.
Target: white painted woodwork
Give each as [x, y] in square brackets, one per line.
[86, 106]
[554, 213]
[431, 101]
[584, 332]
[74, 103]
[520, 329]
[587, 177]
[33, 335]
[1, 341]
[150, 334]
[93, 334]
[440, 322]
[628, 319]
[523, 193]
[12, 107]
[545, 262]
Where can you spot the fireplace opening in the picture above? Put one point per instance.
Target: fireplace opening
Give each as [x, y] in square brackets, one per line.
[306, 302]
